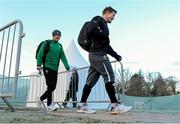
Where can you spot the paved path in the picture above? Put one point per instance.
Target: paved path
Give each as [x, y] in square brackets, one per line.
[70, 116]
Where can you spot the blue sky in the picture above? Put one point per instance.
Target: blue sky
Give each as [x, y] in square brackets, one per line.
[145, 32]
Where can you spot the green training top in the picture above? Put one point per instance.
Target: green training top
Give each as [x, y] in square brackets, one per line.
[52, 57]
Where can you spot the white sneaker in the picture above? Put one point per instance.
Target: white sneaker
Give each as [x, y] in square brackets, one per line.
[39, 103]
[85, 109]
[122, 108]
[51, 107]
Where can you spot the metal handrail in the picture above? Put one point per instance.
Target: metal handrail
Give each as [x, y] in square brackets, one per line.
[17, 63]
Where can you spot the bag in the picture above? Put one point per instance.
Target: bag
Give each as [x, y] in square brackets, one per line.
[83, 40]
[46, 49]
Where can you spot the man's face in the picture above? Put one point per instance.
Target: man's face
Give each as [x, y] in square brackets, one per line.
[56, 38]
[110, 16]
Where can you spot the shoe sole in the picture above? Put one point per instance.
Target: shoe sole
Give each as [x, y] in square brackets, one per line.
[52, 110]
[87, 112]
[114, 113]
[121, 111]
[124, 111]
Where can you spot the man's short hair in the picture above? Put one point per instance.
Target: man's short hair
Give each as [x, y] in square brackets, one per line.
[109, 9]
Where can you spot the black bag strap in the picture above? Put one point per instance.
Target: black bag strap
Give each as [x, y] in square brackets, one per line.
[46, 50]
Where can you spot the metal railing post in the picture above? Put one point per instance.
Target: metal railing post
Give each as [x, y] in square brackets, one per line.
[9, 87]
[17, 71]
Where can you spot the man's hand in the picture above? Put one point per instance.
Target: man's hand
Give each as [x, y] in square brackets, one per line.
[118, 58]
[68, 69]
[39, 70]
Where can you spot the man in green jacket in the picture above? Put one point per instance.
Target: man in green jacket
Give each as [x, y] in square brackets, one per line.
[50, 66]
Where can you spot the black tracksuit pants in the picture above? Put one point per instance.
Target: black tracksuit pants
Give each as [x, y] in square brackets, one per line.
[51, 81]
[69, 95]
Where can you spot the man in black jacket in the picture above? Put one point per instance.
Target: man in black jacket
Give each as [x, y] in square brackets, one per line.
[73, 89]
[98, 32]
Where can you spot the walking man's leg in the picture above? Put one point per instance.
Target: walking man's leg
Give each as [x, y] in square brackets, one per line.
[108, 76]
[101, 63]
[92, 79]
[51, 81]
[105, 69]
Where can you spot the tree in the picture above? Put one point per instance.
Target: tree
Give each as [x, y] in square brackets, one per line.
[127, 75]
[137, 85]
[160, 87]
[151, 84]
[172, 81]
[150, 78]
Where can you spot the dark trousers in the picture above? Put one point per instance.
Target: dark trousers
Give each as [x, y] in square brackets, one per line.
[51, 81]
[99, 66]
[70, 95]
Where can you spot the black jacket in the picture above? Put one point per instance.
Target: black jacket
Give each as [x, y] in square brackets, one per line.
[98, 32]
[73, 85]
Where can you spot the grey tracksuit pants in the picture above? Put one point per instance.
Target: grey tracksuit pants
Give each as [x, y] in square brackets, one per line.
[99, 65]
